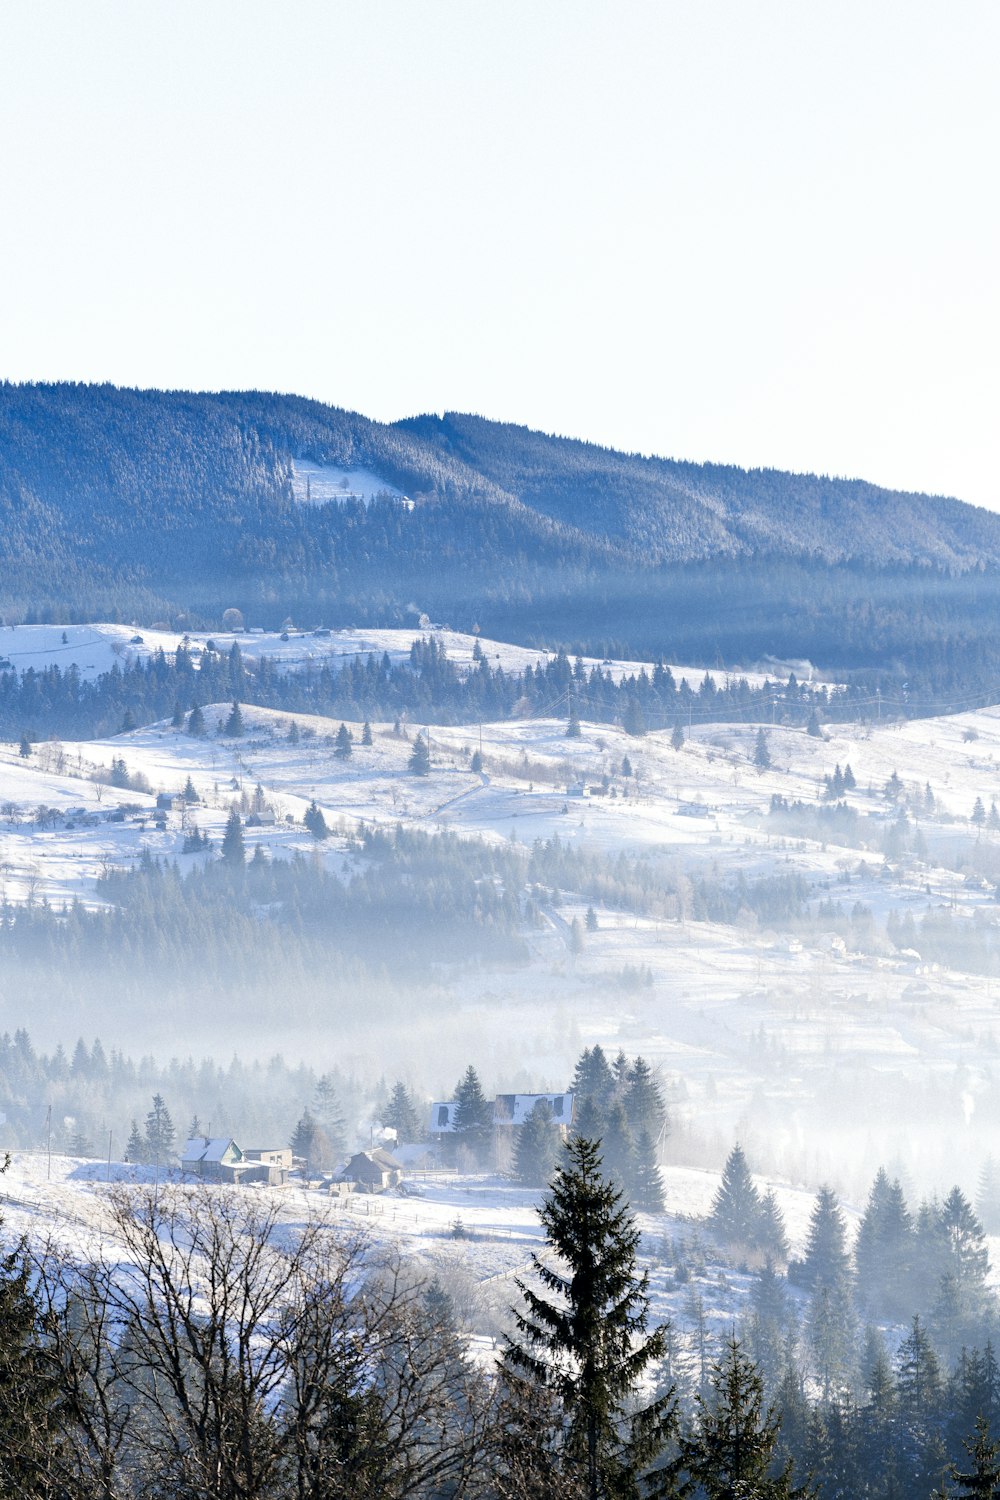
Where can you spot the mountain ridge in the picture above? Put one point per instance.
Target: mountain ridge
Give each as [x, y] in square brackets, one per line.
[148, 505]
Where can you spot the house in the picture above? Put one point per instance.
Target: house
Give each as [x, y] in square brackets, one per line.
[164, 801]
[511, 1110]
[373, 1171]
[270, 1164]
[213, 1160]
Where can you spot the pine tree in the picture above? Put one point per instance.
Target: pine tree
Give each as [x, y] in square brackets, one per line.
[883, 1250]
[772, 1238]
[826, 1260]
[29, 1417]
[420, 757]
[234, 727]
[814, 728]
[135, 1149]
[645, 1185]
[593, 1078]
[233, 849]
[573, 730]
[402, 1116]
[366, 734]
[677, 736]
[633, 719]
[315, 822]
[177, 722]
[618, 1147]
[24, 748]
[734, 1217]
[537, 1147]
[733, 1450]
[160, 1133]
[644, 1101]
[583, 1336]
[473, 1119]
[344, 745]
[761, 753]
[196, 722]
[978, 816]
[190, 793]
[327, 1112]
[293, 733]
[982, 1480]
[590, 920]
[304, 1136]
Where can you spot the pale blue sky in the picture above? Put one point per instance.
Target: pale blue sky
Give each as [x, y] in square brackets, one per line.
[763, 233]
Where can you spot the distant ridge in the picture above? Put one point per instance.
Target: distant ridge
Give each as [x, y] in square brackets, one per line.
[166, 505]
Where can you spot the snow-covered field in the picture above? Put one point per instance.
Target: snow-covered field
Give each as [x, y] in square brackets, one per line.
[835, 1057]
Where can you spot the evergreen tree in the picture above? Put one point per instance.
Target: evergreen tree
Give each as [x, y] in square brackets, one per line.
[160, 1133]
[315, 822]
[402, 1115]
[329, 1118]
[573, 730]
[233, 848]
[761, 753]
[473, 1120]
[883, 1250]
[677, 736]
[537, 1147]
[590, 920]
[826, 1260]
[734, 1217]
[190, 793]
[196, 722]
[344, 745]
[135, 1148]
[981, 1480]
[645, 1185]
[366, 734]
[29, 1415]
[978, 815]
[593, 1078]
[633, 719]
[293, 733]
[618, 1147]
[732, 1452]
[772, 1238]
[234, 724]
[644, 1103]
[24, 748]
[583, 1336]
[814, 728]
[476, 763]
[420, 757]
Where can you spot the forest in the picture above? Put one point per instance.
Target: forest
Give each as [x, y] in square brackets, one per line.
[170, 508]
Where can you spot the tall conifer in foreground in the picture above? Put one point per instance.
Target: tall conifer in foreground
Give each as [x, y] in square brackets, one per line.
[583, 1337]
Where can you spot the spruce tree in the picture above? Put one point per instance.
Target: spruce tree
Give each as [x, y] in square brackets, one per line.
[190, 793]
[315, 822]
[761, 753]
[401, 1114]
[233, 848]
[473, 1120]
[772, 1238]
[135, 1148]
[981, 1479]
[419, 763]
[735, 1213]
[537, 1147]
[160, 1133]
[24, 748]
[196, 722]
[344, 743]
[234, 724]
[366, 734]
[826, 1260]
[644, 1101]
[677, 736]
[732, 1452]
[583, 1336]
[573, 730]
[645, 1185]
[29, 1415]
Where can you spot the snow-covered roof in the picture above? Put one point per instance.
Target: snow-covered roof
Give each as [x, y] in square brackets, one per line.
[514, 1109]
[203, 1149]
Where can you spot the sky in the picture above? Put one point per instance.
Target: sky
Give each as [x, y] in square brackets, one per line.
[743, 231]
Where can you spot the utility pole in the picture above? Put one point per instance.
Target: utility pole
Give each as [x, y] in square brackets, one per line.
[48, 1143]
[110, 1134]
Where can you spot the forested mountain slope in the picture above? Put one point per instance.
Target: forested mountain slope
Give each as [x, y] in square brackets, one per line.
[174, 506]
